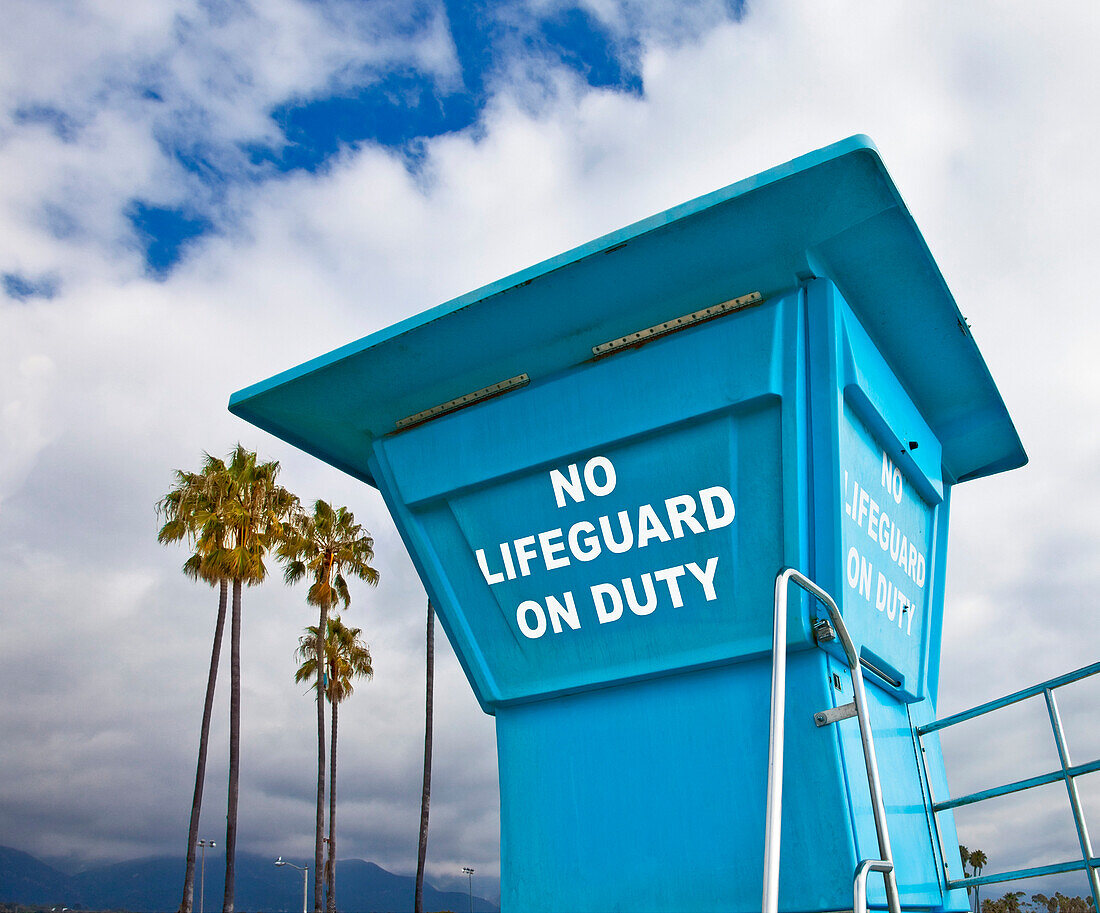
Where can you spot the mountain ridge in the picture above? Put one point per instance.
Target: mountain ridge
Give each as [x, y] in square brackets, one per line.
[153, 885]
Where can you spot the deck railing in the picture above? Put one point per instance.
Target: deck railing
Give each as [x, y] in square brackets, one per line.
[1068, 773]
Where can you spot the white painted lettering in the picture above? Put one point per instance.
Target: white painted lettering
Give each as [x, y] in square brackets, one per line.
[707, 498]
[587, 548]
[852, 567]
[506, 557]
[681, 513]
[571, 486]
[551, 545]
[706, 576]
[891, 478]
[524, 554]
[649, 527]
[608, 471]
[539, 627]
[670, 576]
[602, 594]
[490, 578]
[632, 598]
[628, 533]
[560, 613]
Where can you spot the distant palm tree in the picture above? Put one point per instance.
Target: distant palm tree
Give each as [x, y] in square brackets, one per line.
[328, 545]
[426, 791]
[346, 658]
[977, 863]
[964, 855]
[193, 494]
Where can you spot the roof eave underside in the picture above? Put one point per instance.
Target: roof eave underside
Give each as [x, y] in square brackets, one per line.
[833, 213]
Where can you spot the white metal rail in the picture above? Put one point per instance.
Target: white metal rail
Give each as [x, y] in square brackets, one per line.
[885, 865]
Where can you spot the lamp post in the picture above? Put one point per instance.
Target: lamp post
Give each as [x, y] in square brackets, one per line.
[203, 844]
[469, 873]
[305, 877]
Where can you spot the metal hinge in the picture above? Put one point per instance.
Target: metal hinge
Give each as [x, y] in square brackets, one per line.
[678, 323]
[467, 400]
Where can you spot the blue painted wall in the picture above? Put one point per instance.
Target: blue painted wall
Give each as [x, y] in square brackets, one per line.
[602, 546]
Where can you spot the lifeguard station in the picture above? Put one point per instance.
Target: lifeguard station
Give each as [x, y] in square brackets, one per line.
[622, 471]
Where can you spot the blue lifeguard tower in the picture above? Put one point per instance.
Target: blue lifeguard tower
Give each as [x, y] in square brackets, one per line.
[622, 471]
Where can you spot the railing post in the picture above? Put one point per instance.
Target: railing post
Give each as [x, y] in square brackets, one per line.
[859, 883]
[1071, 788]
[774, 814]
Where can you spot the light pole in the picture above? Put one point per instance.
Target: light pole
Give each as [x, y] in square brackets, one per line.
[202, 878]
[469, 873]
[305, 877]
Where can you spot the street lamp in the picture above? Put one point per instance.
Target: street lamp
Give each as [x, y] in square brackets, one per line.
[469, 873]
[202, 878]
[305, 877]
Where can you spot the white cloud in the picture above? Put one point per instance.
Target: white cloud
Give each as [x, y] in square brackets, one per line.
[983, 115]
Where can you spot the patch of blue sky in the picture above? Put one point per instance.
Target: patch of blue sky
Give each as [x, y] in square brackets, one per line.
[398, 109]
[163, 232]
[582, 44]
[23, 288]
[63, 125]
[393, 112]
[405, 106]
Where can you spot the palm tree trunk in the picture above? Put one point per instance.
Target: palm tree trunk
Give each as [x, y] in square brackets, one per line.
[330, 870]
[234, 749]
[188, 900]
[426, 794]
[318, 845]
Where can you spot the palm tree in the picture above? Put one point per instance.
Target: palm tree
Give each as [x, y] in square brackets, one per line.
[193, 494]
[247, 517]
[426, 792]
[977, 863]
[328, 545]
[964, 855]
[346, 658]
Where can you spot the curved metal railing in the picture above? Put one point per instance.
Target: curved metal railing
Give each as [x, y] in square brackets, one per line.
[774, 814]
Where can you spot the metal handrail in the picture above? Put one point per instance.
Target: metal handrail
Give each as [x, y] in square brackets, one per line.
[1022, 695]
[1068, 773]
[774, 812]
[859, 883]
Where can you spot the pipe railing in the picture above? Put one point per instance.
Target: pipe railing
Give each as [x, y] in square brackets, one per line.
[774, 812]
[1067, 772]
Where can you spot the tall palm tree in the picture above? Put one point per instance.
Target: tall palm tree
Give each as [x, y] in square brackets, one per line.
[328, 546]
[977, 863]
[426, 791]
[247, 517]
[192, 494]
[346, 658]
[964, 855]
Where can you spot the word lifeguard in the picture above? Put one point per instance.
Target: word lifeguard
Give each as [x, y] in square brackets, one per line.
[708, 509]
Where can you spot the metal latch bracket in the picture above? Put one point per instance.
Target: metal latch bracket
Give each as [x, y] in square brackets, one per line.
[835, 714]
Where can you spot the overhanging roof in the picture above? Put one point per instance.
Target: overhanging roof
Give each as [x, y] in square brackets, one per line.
[833, 213]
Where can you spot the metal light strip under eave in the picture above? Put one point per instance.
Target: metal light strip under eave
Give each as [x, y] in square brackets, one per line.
[678, 323]
[466, 400]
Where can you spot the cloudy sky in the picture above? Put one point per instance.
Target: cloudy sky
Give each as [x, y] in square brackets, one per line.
[195, 195]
